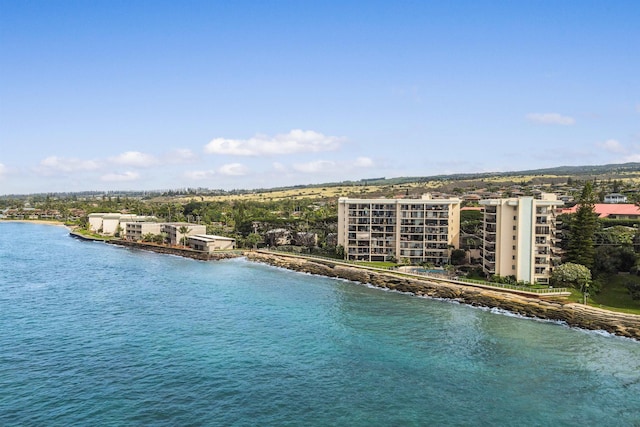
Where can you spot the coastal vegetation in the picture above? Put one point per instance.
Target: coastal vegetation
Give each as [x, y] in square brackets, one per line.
[91, 235]
[303, 219]
[622, 294]
[581, 247]
[572, 275]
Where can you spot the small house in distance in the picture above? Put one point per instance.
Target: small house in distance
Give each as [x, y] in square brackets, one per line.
[210, 243]
[615, 198]
[306, 239]
[278, 237]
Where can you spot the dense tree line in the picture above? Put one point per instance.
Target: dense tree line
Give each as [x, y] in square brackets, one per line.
[602, 247]
[244, 220]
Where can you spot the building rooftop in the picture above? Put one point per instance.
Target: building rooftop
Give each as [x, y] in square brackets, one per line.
[210, 237]
[607, 209]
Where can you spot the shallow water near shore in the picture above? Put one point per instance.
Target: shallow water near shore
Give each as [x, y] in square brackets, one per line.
[93, 334]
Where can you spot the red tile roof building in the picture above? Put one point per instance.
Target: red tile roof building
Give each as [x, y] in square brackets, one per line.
[610, 210]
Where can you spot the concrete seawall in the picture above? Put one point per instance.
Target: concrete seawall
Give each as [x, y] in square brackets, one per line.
[188, 253]
[576, 315]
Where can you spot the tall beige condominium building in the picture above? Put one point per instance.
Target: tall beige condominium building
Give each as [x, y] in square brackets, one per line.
[419, 230]
[519, 237]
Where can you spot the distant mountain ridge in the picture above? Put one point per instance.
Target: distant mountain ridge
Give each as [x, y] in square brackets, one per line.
[590, 171]
[573, 171]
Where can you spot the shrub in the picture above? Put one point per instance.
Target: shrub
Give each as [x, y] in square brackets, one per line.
[634, 290]
[458, 256]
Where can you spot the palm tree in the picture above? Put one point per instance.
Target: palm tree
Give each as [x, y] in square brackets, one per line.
[184, 230]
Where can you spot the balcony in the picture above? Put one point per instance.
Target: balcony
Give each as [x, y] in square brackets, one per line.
[543, 230]
[491, 266]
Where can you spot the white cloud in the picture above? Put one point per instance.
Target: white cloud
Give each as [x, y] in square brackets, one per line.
[315, 166]
[612, 146]
[3, 170]
[120, 177]
[324, 166]
[135, 159]
[58, 164]
[233, 169]
[279, 167]
[551, 119]
[199, 175]
[364, 162]
[296, 141]
[628, 154]
[181, 155]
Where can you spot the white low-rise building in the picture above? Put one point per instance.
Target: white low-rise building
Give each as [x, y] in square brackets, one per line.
[174, 234]
[109, 223]
[136, 230]
[210, 243]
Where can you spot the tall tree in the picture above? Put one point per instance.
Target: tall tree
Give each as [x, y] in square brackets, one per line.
[184, 230]
[583, 228]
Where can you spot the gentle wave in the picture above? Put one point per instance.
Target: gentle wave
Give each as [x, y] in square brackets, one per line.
[92, 335]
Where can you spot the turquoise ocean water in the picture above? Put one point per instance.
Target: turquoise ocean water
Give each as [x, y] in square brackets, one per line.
[92, 334]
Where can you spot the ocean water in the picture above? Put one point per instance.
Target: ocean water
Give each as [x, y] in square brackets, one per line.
[92, 334]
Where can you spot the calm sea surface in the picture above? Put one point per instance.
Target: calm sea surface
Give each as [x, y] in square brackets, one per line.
[92, 334]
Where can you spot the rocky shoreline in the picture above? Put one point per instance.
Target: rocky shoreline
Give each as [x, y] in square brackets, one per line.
[575, 315]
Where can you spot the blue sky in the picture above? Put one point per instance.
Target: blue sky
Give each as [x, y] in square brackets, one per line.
[124, 95]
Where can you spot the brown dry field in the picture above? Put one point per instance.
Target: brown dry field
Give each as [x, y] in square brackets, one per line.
[398, 190]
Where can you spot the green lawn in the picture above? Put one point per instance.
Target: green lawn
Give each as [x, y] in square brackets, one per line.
[90, 234]
[615, 296]
[377, 264]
